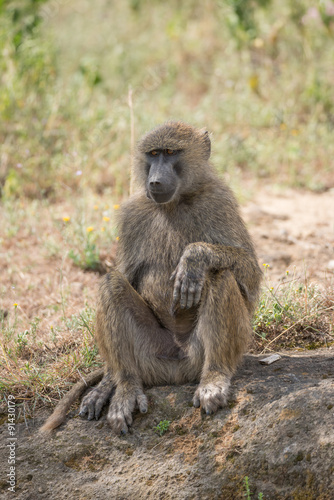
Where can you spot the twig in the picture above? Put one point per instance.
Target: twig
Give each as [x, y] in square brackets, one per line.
[81, 376]
[132, 134]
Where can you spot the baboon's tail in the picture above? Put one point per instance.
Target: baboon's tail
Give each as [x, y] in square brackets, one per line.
[59, 414]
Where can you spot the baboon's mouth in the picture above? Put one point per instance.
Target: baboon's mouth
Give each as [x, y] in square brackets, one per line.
[161, 196]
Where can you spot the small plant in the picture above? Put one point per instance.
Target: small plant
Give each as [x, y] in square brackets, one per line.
[22, 341]
[247, 493]
[162, 427]
[84, 241]
[87, 259]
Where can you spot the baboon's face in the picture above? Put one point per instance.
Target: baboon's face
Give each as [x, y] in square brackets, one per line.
[162, 181]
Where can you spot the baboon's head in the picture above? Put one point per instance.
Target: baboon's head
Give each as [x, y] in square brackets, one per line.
[171, 161]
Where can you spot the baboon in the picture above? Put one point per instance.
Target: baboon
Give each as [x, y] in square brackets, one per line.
[176, 308]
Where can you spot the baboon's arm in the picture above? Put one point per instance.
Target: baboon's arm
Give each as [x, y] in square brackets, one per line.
[200, 258]
[59, 414]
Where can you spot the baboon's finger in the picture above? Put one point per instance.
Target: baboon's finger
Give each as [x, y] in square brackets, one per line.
[98, 407]
[198, 294]
[142, 403]
[173, 275]
[184, 294]
[91, 412]
[191, 296]
[176, 291]
[128, 419]
[83, 410]
[116, 420]
[196, 401]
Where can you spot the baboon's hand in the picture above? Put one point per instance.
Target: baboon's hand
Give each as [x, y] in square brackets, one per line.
[189, 278]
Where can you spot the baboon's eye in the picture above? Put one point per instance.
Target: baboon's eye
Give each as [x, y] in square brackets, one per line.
[154, 153]
[169, 151]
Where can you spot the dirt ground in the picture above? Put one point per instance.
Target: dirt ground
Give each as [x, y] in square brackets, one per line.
[293, 229]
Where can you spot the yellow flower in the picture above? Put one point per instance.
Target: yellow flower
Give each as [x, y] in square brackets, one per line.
[96, 207]
[66, 218]
[89, 229]
[117, 238]
[271, 288]
[106, 219]
[15, 305]
[253, 82]
[116, 207]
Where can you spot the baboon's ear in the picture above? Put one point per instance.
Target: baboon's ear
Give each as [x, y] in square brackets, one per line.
[206, 141]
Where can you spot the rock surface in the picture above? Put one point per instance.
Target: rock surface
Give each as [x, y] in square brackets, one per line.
[277, 430]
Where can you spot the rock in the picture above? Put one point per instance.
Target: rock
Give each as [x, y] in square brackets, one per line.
[277, 430]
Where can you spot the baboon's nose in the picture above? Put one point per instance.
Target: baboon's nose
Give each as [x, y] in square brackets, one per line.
[155, 183]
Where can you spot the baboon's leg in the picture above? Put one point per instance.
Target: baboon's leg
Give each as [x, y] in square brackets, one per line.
[132, 341]
[223, 328]
[97, 397]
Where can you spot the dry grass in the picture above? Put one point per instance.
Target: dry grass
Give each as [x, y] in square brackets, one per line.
[294, 315]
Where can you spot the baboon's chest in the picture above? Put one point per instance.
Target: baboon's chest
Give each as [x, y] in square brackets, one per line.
[155, 256]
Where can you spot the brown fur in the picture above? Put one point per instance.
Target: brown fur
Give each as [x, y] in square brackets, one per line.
[194, 252]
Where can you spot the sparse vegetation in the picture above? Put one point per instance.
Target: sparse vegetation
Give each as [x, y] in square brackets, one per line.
[162, 427]
[258, 74]
[294, 314]
[248, 495]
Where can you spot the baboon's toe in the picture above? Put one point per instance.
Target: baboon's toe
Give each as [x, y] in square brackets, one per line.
[196, 400]
[142, 403]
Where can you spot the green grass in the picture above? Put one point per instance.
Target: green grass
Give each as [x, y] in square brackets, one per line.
[260, 82]
[35, 372]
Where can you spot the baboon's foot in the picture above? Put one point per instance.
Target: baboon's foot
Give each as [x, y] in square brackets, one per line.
[212, 395]
[95, 400]
[122, 406]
